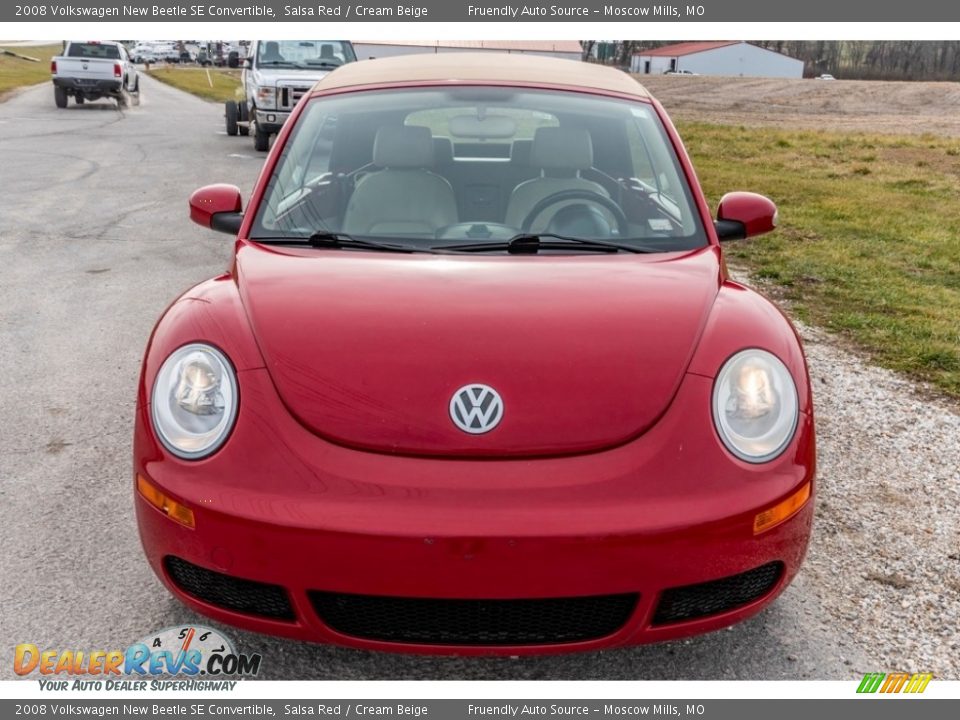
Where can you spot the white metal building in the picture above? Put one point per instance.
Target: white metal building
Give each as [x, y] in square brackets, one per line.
[568, 49]
[730, 58]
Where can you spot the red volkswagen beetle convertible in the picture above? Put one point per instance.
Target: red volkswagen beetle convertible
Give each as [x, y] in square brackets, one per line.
[477, 380]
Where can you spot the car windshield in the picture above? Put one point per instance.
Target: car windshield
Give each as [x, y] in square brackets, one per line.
[304, 53]
[443, 167]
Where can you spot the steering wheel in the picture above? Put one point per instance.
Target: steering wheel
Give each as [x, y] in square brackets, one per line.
[565, 195]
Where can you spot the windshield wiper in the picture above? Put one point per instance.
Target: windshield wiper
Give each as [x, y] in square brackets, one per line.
[326, 239]
[531, 244]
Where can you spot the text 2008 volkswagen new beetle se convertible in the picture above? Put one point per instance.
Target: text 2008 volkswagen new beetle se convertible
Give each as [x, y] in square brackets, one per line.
[477, 380]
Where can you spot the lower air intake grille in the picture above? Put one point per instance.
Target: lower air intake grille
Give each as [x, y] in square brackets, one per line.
[474, 622]
[245, 596]
[717, 596]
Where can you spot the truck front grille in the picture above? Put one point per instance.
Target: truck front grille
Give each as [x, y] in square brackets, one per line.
[289, 96]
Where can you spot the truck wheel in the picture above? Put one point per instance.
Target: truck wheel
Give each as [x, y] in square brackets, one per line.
[135, 93]
[60, 97]
[123, 99]
[261, 140]
[244, 117]
[78, 99]
[231, 112]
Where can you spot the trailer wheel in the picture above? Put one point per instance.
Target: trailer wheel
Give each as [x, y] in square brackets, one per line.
[60, 96]
[231, 112]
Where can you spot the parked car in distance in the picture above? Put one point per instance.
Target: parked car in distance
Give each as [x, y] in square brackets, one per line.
[477, 380]
[92, 70]
[826, 76]
[276, 74]
[680, 72]
[143, 52]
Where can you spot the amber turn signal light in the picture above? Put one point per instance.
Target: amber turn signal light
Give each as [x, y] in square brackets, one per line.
[781, 511]
[167, 505]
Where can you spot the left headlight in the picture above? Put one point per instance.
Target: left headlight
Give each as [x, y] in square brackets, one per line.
[755, 407]
[194, 401]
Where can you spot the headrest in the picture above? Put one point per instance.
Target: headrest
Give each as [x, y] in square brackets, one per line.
[559, 148]
[442, 151]
[403, 146]
[520, 152]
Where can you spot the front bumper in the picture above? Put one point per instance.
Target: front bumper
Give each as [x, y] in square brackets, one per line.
[270, 121]
[280, 506]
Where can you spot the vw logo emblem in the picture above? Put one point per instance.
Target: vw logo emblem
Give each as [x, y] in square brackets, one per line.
[476, 408]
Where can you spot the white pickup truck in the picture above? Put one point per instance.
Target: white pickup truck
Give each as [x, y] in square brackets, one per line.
[92, 70]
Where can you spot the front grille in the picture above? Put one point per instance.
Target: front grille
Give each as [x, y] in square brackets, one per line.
[290, 96]
[717, 596]
[226, 591]
[474, 622]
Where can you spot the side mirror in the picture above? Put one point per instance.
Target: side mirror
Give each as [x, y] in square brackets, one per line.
[743, 214]
[218, 207]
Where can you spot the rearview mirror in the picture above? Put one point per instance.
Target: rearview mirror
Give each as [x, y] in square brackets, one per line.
[487, 128]
[218, 207]
[744, 214]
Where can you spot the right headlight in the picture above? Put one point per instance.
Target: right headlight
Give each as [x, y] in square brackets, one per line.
[755, 405]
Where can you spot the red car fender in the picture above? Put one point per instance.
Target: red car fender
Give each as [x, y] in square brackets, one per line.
[211, 313]
[742, 318]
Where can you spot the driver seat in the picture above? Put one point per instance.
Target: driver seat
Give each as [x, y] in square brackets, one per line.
[404, 197]
[561, 153]
[271, 52]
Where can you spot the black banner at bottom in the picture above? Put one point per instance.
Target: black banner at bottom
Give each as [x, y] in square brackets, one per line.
[874, 708]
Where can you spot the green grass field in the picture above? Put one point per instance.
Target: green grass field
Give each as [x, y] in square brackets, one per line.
[209, 83]
[15, 72]
[869, 237]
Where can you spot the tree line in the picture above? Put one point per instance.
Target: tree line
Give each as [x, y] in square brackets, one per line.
[849, 59]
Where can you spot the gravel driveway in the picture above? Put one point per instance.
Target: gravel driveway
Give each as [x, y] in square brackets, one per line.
[884, 560]
[94, 242]
[885, 557]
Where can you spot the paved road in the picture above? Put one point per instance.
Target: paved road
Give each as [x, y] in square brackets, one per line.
[94, 243]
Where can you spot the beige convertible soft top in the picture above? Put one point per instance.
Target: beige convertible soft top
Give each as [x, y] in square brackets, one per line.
[482, 67]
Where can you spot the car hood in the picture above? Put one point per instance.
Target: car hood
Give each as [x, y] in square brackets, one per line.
[368, 349]
[290, 76]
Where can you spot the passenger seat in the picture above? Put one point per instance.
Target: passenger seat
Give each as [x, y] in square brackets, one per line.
[404, 197]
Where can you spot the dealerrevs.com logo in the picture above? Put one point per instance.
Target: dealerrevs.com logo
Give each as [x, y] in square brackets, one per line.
[187, 652]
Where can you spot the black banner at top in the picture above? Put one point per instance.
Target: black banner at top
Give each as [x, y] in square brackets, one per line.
[738, 11]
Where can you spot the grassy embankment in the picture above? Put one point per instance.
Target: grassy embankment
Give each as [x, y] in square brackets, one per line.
[869, 237]
[16, 72]
[215, 84]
